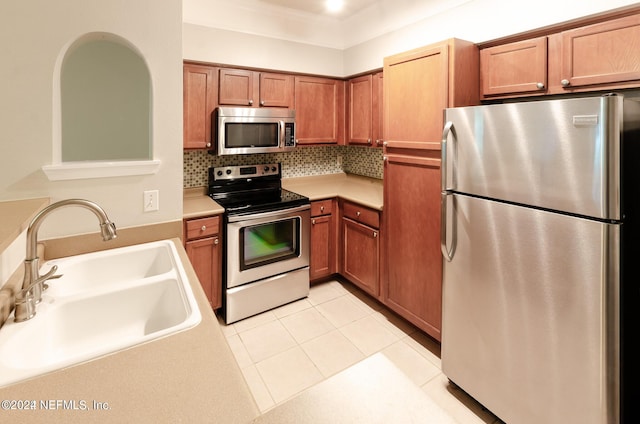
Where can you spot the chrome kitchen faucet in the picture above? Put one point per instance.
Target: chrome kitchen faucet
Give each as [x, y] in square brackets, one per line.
[33, 283]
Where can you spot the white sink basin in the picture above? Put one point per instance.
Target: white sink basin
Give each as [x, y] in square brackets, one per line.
[103, 270]
[115, 299]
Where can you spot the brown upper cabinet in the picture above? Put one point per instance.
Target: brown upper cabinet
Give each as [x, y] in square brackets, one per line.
[319, 104]
[604, 53]
[512, 68]
[419, 84]
[600, 56]
[239, 87]
[364, 108]
[198, 102]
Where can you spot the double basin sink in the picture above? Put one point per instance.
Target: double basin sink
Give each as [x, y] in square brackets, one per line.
[104, 302]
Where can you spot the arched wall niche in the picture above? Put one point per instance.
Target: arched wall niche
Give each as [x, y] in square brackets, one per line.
[103, 97]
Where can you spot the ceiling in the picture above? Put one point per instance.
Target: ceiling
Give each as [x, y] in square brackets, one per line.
[317, 7]
[307, 21]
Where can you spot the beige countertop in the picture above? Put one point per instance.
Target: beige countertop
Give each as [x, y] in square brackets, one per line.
[363, 190]
[189, 377]
[196, 203]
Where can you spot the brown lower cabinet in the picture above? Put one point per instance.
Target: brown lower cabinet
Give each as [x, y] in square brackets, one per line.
[360, 250]
[203, 244]
[322, 261]
[412, 286]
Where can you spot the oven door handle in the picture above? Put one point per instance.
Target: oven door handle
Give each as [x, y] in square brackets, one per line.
[270, 214]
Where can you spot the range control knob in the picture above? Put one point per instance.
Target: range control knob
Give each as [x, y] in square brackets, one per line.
[273, 169]
[219, 173]
[228, 172]
[266, 169]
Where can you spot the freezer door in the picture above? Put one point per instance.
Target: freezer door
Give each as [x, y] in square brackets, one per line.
[530, 322]
[557, 154]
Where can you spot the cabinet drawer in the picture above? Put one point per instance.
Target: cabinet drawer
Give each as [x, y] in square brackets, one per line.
[202, 227]
[321, 207]
[361, 214]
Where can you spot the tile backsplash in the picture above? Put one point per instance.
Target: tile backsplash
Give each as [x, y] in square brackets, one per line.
[302, 162]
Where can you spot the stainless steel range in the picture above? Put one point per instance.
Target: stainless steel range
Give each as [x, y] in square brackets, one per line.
[266, 248]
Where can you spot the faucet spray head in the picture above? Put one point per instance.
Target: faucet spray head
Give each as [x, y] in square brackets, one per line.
[108, 230]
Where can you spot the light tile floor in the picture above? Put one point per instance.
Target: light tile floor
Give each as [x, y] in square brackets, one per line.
[286, 350]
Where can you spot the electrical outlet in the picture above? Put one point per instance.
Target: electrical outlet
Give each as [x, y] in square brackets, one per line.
[339, 160]
[151, 200]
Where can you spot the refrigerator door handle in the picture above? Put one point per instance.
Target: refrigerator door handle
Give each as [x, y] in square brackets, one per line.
[446, 252]
[448, 128]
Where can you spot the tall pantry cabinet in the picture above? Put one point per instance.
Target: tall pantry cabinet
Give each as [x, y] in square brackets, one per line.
[418, 86]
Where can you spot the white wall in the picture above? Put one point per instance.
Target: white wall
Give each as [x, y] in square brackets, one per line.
[209, 32]
[476, 21]
[33, 34]
[215, 45]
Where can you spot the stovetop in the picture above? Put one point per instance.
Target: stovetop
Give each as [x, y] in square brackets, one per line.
[251, 189]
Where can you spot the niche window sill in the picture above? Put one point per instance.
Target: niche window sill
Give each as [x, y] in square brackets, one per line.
[99, 169]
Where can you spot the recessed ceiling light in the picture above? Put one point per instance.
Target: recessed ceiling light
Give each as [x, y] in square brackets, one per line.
[334, 5]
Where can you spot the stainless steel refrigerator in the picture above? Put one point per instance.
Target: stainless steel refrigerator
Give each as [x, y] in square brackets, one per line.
[540, 290]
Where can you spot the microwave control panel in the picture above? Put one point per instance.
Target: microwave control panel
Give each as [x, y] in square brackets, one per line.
[289, 134]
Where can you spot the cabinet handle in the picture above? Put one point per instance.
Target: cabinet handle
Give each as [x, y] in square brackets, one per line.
[384, 158]
[358, 213]
[261, 102]
[321, 208]
[250, 102]
[216, 241]
[203, 228]
[565, 82]
[540, 86]
[385, 144]
[378, 142]
[208, 144]
[368, 141]
[375, 234]
[313, 222]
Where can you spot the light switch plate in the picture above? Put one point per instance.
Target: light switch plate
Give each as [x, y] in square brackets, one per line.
[151, 200]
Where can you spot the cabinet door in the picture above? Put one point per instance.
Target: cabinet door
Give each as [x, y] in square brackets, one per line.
[377, 116]
[514, 68]
[206, 257]
[360, 256]
[319, 110]
[321, 262]
[276, 90]
[413, 267]
[198, 98]
[604, 53]
[236, 87]
[415, 94]
[360, 92]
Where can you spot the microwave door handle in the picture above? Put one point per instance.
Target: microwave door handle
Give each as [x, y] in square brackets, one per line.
[282, 132]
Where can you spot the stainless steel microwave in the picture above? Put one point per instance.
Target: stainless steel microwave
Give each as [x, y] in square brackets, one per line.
[246, 130]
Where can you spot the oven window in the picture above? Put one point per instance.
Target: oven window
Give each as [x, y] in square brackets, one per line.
[270, 242]
[242, 135]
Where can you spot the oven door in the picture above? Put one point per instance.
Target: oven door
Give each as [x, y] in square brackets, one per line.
[266, 244]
